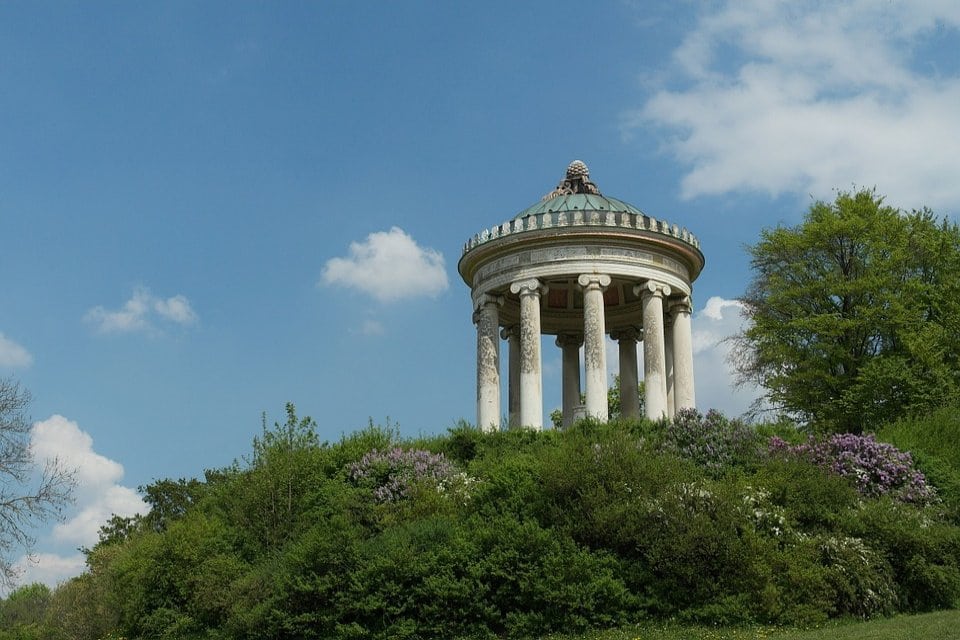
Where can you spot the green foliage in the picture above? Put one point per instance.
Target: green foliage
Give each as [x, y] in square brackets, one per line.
[923, 552]
[855, 314]
[169, 500]
[599, 525]
[711, 441]
[813, 499]
[87, 606]
[23, 612]
[934, 440]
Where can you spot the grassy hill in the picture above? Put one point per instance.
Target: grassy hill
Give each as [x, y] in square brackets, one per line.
[942, 625]
[700, 521]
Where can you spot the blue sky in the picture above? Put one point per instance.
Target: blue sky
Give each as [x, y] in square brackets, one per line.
[201, 203]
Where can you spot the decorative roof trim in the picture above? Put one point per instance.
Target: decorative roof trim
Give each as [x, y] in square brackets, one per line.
[557, 220]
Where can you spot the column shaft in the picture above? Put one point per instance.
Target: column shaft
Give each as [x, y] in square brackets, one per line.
[488, 362]
[668, 362]
[512, 335]
[629, 380]
[594, 349]
[531, 384]
[654, 358]
[683, 356]
[570, 346]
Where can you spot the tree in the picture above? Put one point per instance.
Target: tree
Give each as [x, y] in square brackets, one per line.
[855, 314]
[22, 503]
[25, 607]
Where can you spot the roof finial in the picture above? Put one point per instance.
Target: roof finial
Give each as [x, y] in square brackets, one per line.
[576, 180]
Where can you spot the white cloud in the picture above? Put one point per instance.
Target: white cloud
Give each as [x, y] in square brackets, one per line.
[12, 354]
[389, 266]
[98, 493]
[176, 309]
[48, 568]
[84, 526]
[713, 375]
[807, 97]
[137, 313]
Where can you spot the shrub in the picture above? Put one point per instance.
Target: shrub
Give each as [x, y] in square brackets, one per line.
[813, 500]
[874, 468]
[860, 579]
[934, 441]
[936, 433]
[395, 475]
[923, 552]
[536, 580]
[591, 483]
[712, 441]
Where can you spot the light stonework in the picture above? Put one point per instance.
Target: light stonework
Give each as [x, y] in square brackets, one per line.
[668, 359]
[594, 349]
[654, 358]
[570, 347]
[531, 390]
[629, 376]
[684, 394]
[488, 363]
[512, 335]
[581, 265]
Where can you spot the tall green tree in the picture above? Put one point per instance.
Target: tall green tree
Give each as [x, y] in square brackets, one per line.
[855, 314]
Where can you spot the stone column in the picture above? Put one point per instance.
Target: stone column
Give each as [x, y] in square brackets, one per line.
[668, 361]
[654, 360]
[594, 350]
[570, 343]
[531, 384]
[684, 395]
[629, 398]
[488, 362]
[512, 336]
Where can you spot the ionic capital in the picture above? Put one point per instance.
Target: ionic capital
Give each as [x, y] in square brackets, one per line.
[594, 280]
[569, 340]
[528, 287]
[513, 331]
[627, 333]
[485, 298]
[681, 305]
[651, 288]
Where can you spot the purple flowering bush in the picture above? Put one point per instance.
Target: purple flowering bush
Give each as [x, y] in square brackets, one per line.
[397, 474]
[712, 441]
[875, 468]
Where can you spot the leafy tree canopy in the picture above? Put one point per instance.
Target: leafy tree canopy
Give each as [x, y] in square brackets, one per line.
[855, 314]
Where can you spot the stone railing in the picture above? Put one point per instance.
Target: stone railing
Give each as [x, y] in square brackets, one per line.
[560, 219]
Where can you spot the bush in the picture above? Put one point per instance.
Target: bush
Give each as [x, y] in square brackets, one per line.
[935, 434]
[813, 500]
[924, 553]
[595, 526]
[873, 468]
[711, 441]
[395, 475]
[934, 441]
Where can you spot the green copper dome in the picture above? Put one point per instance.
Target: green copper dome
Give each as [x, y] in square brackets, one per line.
[579, 202]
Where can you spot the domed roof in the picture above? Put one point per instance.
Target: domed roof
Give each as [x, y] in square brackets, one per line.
[577, 193]
[580, 202]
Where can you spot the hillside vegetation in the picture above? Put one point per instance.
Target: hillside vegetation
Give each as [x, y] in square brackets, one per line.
[519, 534]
